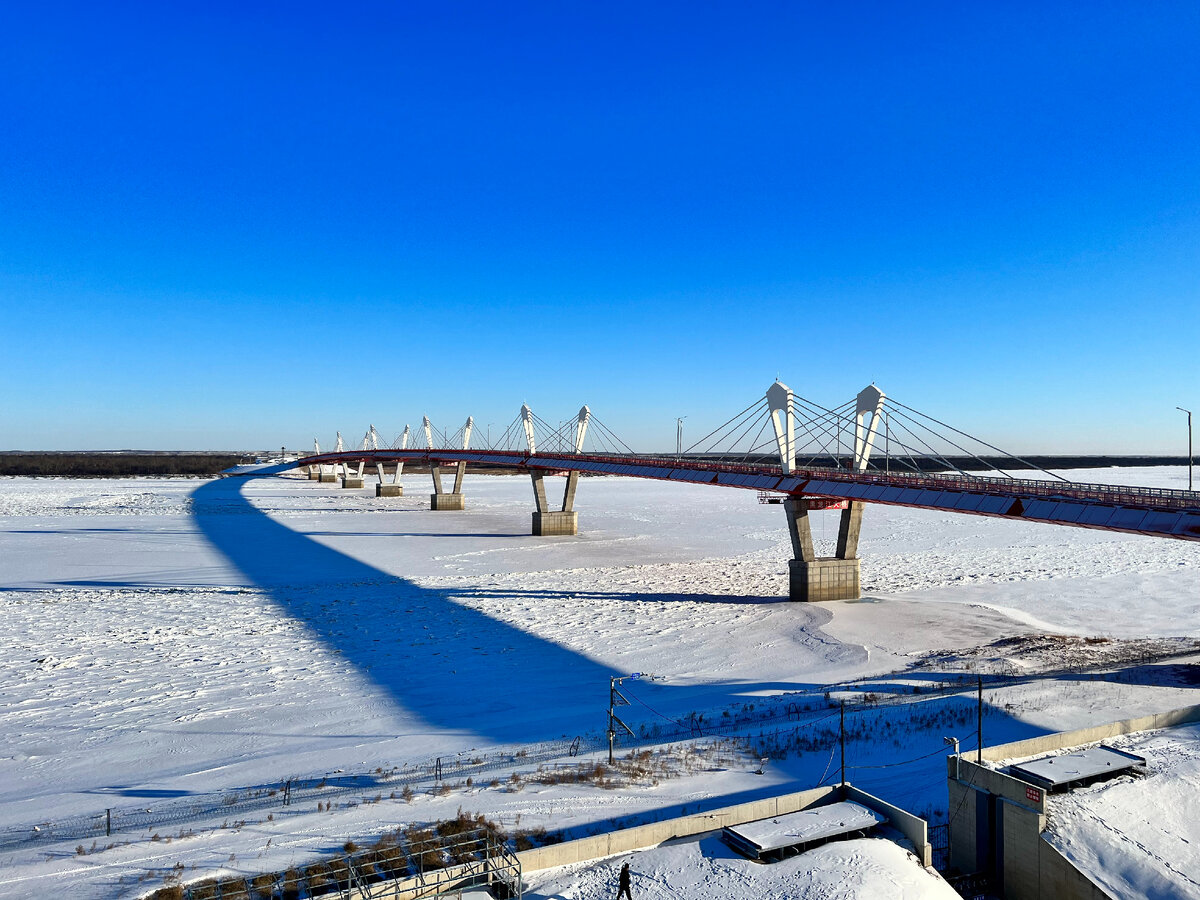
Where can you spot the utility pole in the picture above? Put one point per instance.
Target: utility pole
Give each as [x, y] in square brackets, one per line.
[1189, 415]
[616, 698]
[979, 725]
[843, 729]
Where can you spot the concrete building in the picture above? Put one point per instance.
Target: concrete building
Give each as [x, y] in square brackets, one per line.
[1007, 809]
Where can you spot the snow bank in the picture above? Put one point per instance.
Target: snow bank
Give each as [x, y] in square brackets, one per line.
[861, 869]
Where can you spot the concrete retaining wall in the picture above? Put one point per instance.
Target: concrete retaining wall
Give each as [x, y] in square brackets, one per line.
[1048, 743]
[1060, 878]
[655, 833]
[912, 827]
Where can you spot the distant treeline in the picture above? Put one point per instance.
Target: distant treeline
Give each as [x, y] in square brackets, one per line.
[115, 464]
[118, 463]
[901, 464]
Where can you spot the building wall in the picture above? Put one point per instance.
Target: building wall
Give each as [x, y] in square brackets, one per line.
[1060, 878]
[984, 802]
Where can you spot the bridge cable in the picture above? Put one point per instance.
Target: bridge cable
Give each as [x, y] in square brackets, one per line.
[896, 403]
[722, 427]
[988, 465]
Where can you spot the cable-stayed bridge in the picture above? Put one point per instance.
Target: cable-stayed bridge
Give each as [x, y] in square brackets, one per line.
[871, 449]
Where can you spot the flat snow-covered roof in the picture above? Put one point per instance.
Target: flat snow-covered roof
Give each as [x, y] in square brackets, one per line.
[806, 826]
[1054, 771]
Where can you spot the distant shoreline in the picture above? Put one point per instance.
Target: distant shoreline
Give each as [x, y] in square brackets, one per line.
[129, 463]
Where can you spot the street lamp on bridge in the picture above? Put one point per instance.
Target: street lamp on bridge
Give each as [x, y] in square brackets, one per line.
[1189, 415]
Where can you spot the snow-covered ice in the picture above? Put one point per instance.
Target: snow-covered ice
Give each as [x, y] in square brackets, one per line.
[165, 637]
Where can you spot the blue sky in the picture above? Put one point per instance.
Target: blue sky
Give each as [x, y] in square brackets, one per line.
[240, 225]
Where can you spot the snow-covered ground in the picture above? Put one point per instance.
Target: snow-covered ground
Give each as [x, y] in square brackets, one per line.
[706, 869]
[162, 638]
[1137, 836]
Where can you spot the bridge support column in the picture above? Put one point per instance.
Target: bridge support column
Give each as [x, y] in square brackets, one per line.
[314, 473]
[439, 499]
[353, 479]
[387, 488]
[812, 579]
[548, 522]
[330, 477]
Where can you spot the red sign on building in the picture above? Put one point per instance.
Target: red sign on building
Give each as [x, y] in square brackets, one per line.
[1032, 793]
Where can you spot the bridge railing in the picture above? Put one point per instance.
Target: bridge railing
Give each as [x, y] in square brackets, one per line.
[1117, 495]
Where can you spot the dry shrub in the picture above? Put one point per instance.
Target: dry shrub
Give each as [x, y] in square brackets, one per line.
[263, 886]
[290, 889]
[234, 889]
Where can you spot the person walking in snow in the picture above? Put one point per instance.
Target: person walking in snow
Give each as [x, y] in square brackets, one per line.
[623, 883]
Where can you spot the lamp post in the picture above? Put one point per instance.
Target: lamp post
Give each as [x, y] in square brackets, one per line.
[953, 741]
[1189, 415]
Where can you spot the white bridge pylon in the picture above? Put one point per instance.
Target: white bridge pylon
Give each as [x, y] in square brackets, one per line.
[869, 402]
[836, 577]
[440, 498]
[391, 488]
[340, 447]
[565, 520]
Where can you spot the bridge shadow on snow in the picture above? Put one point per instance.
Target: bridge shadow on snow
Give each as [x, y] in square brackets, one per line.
[452, 666]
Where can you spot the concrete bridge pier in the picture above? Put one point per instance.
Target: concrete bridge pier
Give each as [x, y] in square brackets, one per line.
[811, 578]
[548, 522]
[387, 488]
[441, 499]
[315, 472]
[334, 475]
[355, 479]
[837, 577]
[392, 488]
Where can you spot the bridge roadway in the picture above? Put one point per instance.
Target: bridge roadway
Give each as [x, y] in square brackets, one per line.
[1135, 510]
